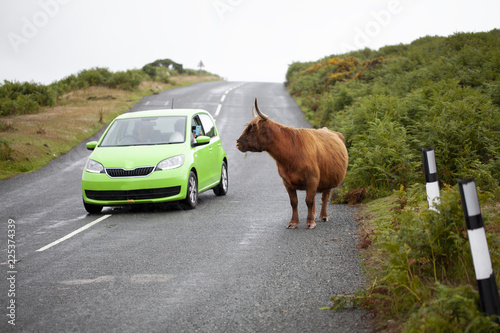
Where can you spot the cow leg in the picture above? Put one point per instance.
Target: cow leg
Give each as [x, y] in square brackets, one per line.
[324, 202]
[294, 222]
[311, 209]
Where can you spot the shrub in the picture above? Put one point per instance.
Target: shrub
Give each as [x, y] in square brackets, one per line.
[332, 103]
[128, 80]
[463, 126]
[453, 309]
[421, 266]
[20, 98]
[381, 157]
[436, 92]
[94, 77]
[158, 74]
[163, 63]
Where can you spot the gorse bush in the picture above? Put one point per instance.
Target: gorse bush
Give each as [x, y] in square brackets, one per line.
[435, 92]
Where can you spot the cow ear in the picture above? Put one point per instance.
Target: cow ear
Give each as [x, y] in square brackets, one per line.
[263, 116]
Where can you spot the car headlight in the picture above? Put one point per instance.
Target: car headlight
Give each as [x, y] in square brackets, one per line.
[171, 163]
[94, 167]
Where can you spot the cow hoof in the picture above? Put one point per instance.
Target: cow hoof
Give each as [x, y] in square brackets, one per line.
[311, 226]
[293, 226]
[324, 219]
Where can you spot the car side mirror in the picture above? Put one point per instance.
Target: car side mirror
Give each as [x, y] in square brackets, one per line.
[91, 145]
[202, 140]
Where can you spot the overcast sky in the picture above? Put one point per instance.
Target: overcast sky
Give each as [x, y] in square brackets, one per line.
[240, 40]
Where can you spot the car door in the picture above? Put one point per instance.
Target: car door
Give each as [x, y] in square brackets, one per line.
[214, 146]
[202, 155]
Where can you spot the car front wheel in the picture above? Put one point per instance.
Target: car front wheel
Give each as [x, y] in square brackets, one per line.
[223, 186]
[192, 192]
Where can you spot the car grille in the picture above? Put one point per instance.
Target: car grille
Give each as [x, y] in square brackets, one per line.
[154, 193]
[137, 172]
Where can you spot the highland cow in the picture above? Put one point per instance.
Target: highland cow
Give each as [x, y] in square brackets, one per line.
[310, 160]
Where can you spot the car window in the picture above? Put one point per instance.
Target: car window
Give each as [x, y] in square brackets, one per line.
[196, 127]
[146, 131]
[208, 125]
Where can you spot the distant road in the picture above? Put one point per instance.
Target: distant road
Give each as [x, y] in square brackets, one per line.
[230, 265]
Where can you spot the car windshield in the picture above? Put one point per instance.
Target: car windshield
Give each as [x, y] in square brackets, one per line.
[146, 131]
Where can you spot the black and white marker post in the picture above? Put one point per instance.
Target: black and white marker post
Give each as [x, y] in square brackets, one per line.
[486, 283]
[431, 177]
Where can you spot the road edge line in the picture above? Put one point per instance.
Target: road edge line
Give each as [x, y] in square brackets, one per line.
[60, 240]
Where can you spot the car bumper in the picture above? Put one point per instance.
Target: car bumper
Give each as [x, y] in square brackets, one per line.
[159, 186]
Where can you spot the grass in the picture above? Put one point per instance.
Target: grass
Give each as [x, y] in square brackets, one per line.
[418, 266]
[28, 142]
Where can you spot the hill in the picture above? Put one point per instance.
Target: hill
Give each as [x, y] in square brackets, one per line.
[28, 97]
[40, 122]
[441, 92]
[435, 92]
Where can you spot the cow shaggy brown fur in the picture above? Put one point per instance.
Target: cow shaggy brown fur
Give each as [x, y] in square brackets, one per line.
[310, 160]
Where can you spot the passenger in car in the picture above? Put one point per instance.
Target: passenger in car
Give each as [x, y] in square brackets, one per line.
[144, 130]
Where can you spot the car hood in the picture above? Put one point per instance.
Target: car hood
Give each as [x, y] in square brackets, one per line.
[131, 157]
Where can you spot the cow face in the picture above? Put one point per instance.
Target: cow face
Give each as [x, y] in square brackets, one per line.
[255, 136]
[251, 138]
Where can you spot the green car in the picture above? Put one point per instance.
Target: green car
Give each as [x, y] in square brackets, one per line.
[155, 156]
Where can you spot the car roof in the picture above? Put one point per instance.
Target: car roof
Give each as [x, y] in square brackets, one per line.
[161, 113]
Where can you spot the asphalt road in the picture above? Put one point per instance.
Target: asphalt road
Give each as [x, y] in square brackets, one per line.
[230, 265]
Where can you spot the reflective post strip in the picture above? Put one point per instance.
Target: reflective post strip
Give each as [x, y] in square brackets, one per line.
[486, 283]
[431, 178]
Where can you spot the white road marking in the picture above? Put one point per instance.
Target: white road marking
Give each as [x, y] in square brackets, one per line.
[135, 279]
[218, 110]
[166, 103]
[223, 98]
[99, 279]
[73, 233]
[147, 103]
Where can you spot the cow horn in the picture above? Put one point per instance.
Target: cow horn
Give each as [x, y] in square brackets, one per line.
[263, 116]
